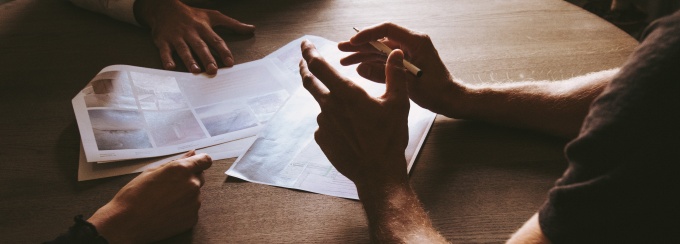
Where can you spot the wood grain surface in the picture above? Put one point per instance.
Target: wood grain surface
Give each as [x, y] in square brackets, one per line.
[478, 182]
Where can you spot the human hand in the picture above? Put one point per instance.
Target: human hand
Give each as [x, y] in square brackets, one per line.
[435, 90]
[186, 30]
[364, 137]
[157, 204]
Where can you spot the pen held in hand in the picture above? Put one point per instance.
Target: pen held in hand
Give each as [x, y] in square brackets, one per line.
[387, 50]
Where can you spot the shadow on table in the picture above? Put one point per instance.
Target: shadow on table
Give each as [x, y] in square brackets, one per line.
[474, 171]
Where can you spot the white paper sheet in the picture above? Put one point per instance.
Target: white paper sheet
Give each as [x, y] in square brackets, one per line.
[285, 153]
[93, 170]
[129, 112]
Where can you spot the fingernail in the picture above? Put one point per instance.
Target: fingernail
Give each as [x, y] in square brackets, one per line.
[169, 65]
[211, 69]
[195, 68]
[228, 61]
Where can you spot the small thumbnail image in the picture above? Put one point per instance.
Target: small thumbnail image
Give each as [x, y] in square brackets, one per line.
[223, 118]
[265, 106]
[110, 89]
[118, 129]
[173, 127]
[157, 92]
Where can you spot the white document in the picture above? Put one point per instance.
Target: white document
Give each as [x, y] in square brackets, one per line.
[93, 170]
[285, 153]
[129, 112]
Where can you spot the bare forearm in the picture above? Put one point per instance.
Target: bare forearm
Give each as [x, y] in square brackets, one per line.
[552, 107]
[395, 215]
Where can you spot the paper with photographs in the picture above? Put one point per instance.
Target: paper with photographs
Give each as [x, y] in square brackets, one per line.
[129, 112]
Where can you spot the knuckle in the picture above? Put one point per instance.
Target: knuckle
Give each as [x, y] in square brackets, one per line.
[318, 135]
[176, 167]
[320, 120]
[202, 28]
[212, 12]
[206, 157]
[307, 79]
[423, 36]
[327, 106]
[181, 47]
[315, 62]
[198, 44]
[217, 40]
[195, 186]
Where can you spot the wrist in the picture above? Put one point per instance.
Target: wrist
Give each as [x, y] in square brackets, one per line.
[381, 181]
[146, 11]
[383, 204]
[458, 100]
[107, 222]
[381, 191]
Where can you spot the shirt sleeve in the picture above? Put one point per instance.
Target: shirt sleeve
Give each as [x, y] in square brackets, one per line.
[622, 182]
[122, 10]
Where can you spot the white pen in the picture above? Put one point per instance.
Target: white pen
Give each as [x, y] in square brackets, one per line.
[387, 50]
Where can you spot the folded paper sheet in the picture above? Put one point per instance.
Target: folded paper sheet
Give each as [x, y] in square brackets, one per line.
[129, 112]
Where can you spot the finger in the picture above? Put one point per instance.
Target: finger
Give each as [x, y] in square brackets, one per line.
[201, 178]
[219, 19]
[197, 163]
[203, 53]
[396, 76]
[392, 44]
[312, 84]
[166, 55]
[323, 122]
[396, 45]
[330, 77]
[218, 44]
[189, 154]
[392, 31]
[184, 53]
[356, 58]
[373, 71]
[349, 47]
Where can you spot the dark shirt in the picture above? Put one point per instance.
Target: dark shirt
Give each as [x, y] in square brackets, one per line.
[623, 178]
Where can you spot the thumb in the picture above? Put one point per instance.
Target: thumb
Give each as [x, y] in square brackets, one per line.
[396, 76]
[197, 163]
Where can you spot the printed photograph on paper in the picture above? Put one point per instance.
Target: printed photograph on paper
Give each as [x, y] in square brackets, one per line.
[223, 118]
[118, 129]
[265, 106]
[157, 92]
[173, 127]
[110, 90]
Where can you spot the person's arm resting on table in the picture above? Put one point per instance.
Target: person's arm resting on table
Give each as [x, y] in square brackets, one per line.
[159, 203]
[365, 137]
[553, 107]
[177, 27]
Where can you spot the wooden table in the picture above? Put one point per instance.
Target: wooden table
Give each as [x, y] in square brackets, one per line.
[478, 182]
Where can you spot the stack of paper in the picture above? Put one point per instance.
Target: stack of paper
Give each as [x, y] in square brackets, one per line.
[132, 118]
